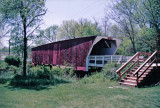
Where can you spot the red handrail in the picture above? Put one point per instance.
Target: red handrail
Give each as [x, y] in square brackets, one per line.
[129, 67]
[123, 66]
[145, 63]
[129, 61]
[155, 59]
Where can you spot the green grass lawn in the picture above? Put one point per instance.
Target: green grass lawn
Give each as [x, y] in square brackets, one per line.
[79, 95]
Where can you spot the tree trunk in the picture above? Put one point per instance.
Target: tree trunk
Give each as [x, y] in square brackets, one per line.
[25, 49]
[158, 39]
[134, 48]
[9, 46]
[158, 42]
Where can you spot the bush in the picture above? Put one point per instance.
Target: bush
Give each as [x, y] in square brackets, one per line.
[109, 71]
[66, 72]
[41, 72]
[13, 68]
[35, 83]
[15, 61]
[95, 78]
[58, 72]
[3, 65]
[3, 80]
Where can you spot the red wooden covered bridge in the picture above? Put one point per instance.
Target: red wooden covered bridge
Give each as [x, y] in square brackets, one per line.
[80, 53]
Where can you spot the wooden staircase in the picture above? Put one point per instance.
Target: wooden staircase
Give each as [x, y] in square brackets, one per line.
[130, 79]
[137, 69]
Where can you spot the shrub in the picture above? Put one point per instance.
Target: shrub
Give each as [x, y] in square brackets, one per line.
[95, 78]
[109, 71]
[14, 69]
[41, 72]
[3, 65]
[3, 80]
[58, 72]
[10, 60]
[66, 72]
[35, 83]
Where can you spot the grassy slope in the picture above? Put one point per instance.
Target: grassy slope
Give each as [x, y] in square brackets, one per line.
[79, 95]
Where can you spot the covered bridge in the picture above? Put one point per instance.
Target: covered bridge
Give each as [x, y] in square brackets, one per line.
[76, 52]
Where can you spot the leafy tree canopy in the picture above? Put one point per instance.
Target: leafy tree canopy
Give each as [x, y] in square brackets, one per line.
[24, 16]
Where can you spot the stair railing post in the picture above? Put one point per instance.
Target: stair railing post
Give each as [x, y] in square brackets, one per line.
[137, 79]
[138, 59]
[119, 76]
[122, 59]
[156, 60]
[150, 60]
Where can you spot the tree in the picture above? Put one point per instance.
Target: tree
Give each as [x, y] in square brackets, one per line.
[152, 14]
[122, 13]
[72, 29]
[125, 47]
[47, 35]
[26, 14]
[114, 31]
[147, 15]
[138, 20]
[4, 30]
[88, 28]
[146, 41]
[68, 29]
[106, 24]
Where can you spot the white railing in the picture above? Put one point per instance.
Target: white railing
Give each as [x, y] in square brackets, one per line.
[101, 60]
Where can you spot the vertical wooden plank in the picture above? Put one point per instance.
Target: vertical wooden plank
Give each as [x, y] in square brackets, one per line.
[103, 60]
[95, 60]
[111, 59]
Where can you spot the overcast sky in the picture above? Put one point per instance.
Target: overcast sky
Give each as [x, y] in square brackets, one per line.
[60, 10]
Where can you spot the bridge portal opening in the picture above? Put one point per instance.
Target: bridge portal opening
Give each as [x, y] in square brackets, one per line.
[104, 47]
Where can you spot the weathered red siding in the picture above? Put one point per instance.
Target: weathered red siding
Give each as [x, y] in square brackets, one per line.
[73, 51]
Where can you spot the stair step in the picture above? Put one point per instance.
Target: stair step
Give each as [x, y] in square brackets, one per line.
[146, 71]
[130, 81]
[143, 76]
[128, 84]
[133, 78]
[140, 72]
[143, 73]
[145, 68]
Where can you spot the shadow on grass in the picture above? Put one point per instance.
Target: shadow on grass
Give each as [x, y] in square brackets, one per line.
[20, 82]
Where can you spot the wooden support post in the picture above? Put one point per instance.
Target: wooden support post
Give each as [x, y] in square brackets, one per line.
[137, 79]
[119, 76]
[95, 61]
[111, 59]
[148, 61]
[156, 61]
[138, 59]
[103, 60]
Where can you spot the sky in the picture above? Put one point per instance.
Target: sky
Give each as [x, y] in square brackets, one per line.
[61, 10]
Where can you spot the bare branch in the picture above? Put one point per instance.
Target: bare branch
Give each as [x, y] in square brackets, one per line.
[33, 30]
[36, 17]
[1, 44]
[5, 34]
[48, 39]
